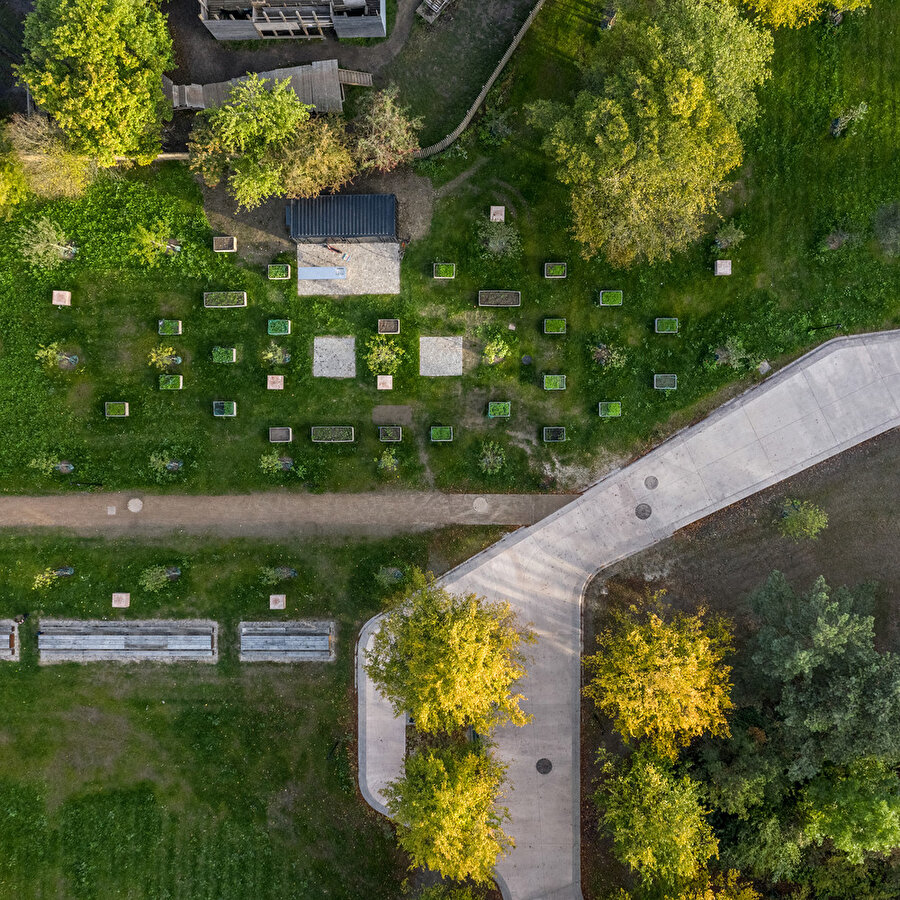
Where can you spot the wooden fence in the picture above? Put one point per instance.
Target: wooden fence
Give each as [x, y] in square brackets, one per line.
[442, 145]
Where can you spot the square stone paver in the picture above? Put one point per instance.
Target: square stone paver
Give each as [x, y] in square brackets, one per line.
[121, 601]
[498, 213]
[723, 267]
[334, 357]
[275, 382]
[277, 601]
[62, 298]
[384, 382]
[439, 356]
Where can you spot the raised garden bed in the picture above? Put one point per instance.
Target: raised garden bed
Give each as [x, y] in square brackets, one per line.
[224, 299]
[225, 244]
[279, 271]
[390, 433]
[666, 326]
[441, 433]
[554, 270]
[610, 409]
[554, 326]
[224, 409]
[170, 326]
[665, 382]
[610, 298]
[499, 298]
[554, 382]
[116, 409]
[280, 434]
[554, 434]
[279, 326]
[171, 382]
[444, 270]
[224, 354]
[389, 326]
[499, 409]
[331, 434]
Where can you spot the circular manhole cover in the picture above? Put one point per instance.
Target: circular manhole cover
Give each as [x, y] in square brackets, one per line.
[544, 766]
[651, 482]
[526, 360]
[480, 505]
[642, 510]
[135, 505]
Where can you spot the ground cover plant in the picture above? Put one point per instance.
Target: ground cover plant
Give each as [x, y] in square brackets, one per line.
[224, 781]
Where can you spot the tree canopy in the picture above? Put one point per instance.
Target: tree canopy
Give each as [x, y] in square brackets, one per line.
[385, 134]
[662, 681]
[450, 661]
[96, 68]
[12, 181]
[445, 805]
[795, 13]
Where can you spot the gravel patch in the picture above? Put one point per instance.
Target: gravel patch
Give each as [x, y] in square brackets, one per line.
[334, 357]
[440, 356]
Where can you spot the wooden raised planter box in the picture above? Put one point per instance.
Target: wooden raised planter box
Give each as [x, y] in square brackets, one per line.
[610, 298]
[390, 433]
[224, 354]
[554, 270]
[389, 326]
[500, 298]
[224, 409]
[554, 326]
[116, 409]
[225, 244]
[171, 382]
[280, 434]
[279, 326]
[554, 434]
[278, 271]
[499, 409]
[554, 382]
[610, 409]
[331, 434]
[666, 326]
[169, 326]
[441, 433]
[224, 299]
[665, 382]
[444, 271]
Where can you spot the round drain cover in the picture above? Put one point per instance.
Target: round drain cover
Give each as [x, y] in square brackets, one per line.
[479, 504]
[135, 505]
[651, 482]
[642, 510]
[544, 766]
[526, 360]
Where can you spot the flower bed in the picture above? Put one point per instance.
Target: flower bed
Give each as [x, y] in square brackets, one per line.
[666, 326]
[441, 433]
[224, 408]
[279, 272]
[224, 354]
[225, 244]
[554, 270]
[224, 299]
[554, 326]
[389, 326]
[554, 382]
[610, 298]
[665, 382]
[444, 270]
[279, 326]
[554, 434]
[390, 433]
[331, 434]
[499, 409]
[499, 298]
[116, 409]
[170, 382]
[610, 409]
[170, 326]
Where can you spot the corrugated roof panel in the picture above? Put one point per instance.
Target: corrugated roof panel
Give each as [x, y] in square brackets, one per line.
[344, 217]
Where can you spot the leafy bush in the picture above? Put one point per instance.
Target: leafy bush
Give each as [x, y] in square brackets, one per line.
[44, 579]
[44, 463]
[492, 458]
[383, 355]
[48, 355]
[499, 240]
[495, 351]
[167, 464]
[388, 464]
[161, 357]
[802, 519]
[274, 355]
[153, 579]
[729, 235]
[43, 243]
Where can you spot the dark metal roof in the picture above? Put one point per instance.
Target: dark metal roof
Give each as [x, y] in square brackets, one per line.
[343, 217]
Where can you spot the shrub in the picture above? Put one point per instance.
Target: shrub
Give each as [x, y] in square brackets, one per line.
[848, 117]
[383, 355]
[802, 519]
[734, 354]
[48, 355]
[153, 579]
[492, 458]
[495, 351]
[43, 243]
[499, 240]
[729, 235]
[388, 464]
[166, 464]
[273, 463]
[887, 228]
[270, 575]
[12, 182]
[161, 357]
[44, 579]
[43, 463]
[275, 355]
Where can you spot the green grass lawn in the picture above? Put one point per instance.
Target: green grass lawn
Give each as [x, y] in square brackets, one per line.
[195, 781]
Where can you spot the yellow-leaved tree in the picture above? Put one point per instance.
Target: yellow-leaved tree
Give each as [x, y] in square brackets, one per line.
[796, 13]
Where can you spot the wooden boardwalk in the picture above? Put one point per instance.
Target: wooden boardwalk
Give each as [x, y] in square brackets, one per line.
[302, 641]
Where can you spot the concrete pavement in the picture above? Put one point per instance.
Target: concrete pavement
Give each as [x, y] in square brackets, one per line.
[839, 395]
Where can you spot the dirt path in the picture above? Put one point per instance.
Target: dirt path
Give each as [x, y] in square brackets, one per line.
[462, 178]
[275, 514]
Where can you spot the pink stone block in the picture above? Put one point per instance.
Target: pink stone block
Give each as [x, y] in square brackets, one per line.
[498, 213]
[277, 601]
[121, 601]
[62, 298]
[384, 382]
[723, 267]
[275, 382]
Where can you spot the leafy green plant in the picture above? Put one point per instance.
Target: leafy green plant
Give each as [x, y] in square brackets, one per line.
[388, 464]
[274, 355]
[802, 519]
[608, 356]
[495, 351]
[492, 458]
[729, 235]
[153, 579]
[499, 240]
[49, 354]
[166, 464]
[383, 355]
[43, 243]
[161, 357]
[43, 462]
[44, 579]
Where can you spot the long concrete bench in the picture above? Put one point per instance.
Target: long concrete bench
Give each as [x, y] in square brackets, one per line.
[287, 641]
[69, 640]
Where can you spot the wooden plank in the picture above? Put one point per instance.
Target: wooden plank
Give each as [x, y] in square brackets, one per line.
[285, 643]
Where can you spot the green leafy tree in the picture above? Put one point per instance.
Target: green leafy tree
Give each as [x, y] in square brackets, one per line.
[96, 68]
[657, 823]
[795, 13]
[662, 681]
[721, 886]
[384, 355]
[450, 661]
[151, 242]
[495, 351]
[43, 243]
[318, 158]
[153, 579]
[446, 809]
[802, 519]
[44, 579]
[384, 132]
[13, 186]
[161, 357]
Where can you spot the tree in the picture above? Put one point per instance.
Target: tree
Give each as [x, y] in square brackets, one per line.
[802, 519]
[262, 141]
[657, 824]
[43, 243]
[96, 68]
[795, 13]
[12, 181]
[645, 150]
[837, 697]
[722, 886]
[383, 355]
[662, 681]
[384, 132]
[445, 805]
[151, 242]
[450, 661]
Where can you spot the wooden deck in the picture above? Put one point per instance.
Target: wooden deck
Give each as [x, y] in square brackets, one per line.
[303, 641]
[9, 640]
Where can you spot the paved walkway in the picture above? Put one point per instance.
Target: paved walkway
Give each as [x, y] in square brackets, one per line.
[276, 513]
[839, 395]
